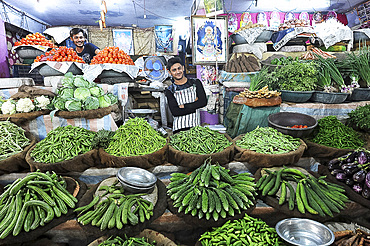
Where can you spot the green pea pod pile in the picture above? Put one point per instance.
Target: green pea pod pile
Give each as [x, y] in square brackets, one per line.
[63, 143]
[115, 209]
[131, 241]
[33, 201]
[136, 137]
[313, 195]
[199, 140]
[267, 140]
[210, 192]
[333, 133]
[12, 140]
[245, 231]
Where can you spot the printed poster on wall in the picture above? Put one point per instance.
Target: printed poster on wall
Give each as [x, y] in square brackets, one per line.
[122, 38]
[163, 38]
[213, 7]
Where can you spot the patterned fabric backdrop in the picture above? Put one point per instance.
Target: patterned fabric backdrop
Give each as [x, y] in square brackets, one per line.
[13, 56]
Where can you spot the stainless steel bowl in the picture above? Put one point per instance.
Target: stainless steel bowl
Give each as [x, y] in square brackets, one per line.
[136, 177]
[135, 189]
[299, 231]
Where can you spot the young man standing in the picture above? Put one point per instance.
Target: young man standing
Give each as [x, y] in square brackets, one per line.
[185, 96]
[84, 50]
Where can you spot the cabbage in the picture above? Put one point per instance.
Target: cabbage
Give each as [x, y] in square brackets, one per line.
[79, 81]
[73, 105]
[82, 93]
[104, 101]
[66, 92]
[67, 81]
[113, 98]
[59, 103]
[96, 91]
[91, 103]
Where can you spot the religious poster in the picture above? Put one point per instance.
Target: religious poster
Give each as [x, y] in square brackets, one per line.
[262, 18]
[245, 19]
[163, 38]
[122, 38]
[209, 40]
[274, 20]
[213, 7]
[232, 25]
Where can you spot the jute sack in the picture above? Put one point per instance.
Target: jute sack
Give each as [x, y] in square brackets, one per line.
[75, 187]
[87, 114]
[323, 153]
[268, 160]
[20, 118]
[77, 164]
[17, 162]
[181, 158]
[143, 161]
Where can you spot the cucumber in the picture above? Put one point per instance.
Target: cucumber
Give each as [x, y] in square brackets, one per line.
[283, 193]
[291, 201]
[277, 183]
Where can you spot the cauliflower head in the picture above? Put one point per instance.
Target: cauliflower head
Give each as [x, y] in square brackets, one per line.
[25, 105]
[42, 102]
[8, 107]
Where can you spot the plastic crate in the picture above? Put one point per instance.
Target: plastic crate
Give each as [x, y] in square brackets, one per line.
[23, 71]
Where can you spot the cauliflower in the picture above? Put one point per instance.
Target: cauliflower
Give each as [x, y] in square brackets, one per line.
[25, 105]
[8, 107]
[42, 102]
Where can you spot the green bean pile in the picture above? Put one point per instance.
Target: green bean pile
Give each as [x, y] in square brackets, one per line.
[63, 143]
[245, 231]
[267, 140]
[132, 241]
[334, 134]
[12, 140]
[199, 140]
[136, 137]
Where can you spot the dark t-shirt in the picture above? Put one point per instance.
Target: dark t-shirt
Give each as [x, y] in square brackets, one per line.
[88, 52]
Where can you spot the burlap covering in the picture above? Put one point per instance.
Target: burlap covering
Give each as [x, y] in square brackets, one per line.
[274, 202]
[77, 164]
[25, 91]
[20, 118]
[354, 196]
[93, 232]
[143, 161]
[268, 160]
[323, 153]
[31, 235]
[17, 162]
[181, 158]
[87, 114]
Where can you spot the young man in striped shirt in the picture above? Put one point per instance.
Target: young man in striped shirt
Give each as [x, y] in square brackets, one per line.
[185, 97]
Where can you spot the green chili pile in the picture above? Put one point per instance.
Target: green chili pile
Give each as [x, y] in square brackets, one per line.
[360, 117]
[267, 140]
[132, 241]
[333, 133]
[63, 143]
[245, 231]
[199, 140]
[12, 140]
[136, 137]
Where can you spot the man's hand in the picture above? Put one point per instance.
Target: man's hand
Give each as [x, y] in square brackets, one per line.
[181, 106]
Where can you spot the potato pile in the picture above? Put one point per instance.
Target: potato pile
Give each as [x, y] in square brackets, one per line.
[242, 63]
[261, 93]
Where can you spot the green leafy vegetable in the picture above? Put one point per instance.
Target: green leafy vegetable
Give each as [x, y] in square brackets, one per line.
[79, 81]
[91, 103]
[360, 117]
[113, 98]
[104, 101]
[73, 105]
[96, 91]
[81, 93]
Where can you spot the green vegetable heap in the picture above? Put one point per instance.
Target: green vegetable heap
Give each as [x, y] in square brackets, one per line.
[199, 140]
[245, 231]
[284, 60]
[63, 143]
[267, 140]
[360, 117]
[33, 201]
[136, 137]
[210, 191]
[116, 209]
[131, 241]
[12, 140]
[313, 195]
[332, 133]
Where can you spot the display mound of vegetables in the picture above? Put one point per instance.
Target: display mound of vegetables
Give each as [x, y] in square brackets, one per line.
[13, 139]
[128, 241]
[60, 54]
[245, 231]
[360, 117]
[63, 143]
[78, 94]
[332, 133]
[24, 105]
[35, 39]
[136, 137]
[267, 140]
[284, 60]
[211, 192]
[354, 170]
[114, 209]
[314, 195]
[33, 201]
[199, 140]
[112, 55]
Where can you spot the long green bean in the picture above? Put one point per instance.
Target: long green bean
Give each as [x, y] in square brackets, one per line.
[132, 241]
[13, 139]
[136, 137]
[199, 140]
[267, 140]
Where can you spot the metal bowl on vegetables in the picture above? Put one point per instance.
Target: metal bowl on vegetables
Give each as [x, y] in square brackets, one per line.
[299, 231]
[136, 179]
[283, 122]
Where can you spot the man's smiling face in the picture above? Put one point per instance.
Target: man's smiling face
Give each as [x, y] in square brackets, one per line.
[78, 39]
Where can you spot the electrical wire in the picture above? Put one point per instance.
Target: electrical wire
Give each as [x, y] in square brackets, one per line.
[153, 12]
[137, 21]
